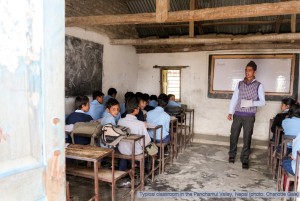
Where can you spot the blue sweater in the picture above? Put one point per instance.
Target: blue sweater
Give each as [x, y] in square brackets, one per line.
[79, 117]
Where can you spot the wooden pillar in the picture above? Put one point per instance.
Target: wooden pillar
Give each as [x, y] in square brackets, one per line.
[162, 9]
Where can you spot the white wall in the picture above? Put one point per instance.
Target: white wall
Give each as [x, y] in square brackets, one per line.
[210, 114]
[120, 65]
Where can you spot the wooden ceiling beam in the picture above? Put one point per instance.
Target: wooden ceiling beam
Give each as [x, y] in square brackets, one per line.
[141, 50]
[221, 39]
[162, 9]
[229, 12]
[260, 22]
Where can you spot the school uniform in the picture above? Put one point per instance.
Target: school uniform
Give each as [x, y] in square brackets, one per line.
[244, 116]
[122, 108]
[106, 98]
[108, 119]
[290, 164]
[159, 117]
[79, 116]
[153, 103]
[136, 127]
[96, 110]
[278, 120]
[173, 104]
[291, 126]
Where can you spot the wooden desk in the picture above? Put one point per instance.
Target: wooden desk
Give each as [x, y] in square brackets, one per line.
[154, 129]
[133, 138]
[174, 138]
[191, 123]
[90, 154]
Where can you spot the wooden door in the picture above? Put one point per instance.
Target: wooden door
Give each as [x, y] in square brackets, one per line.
[32, 161]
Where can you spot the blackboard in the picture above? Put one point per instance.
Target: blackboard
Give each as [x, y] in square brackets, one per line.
[277, 73]
[83, 66]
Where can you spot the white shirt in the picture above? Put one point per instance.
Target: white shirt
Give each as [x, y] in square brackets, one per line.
[136, 127]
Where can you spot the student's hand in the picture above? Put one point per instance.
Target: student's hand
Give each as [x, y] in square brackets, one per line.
[229, 117]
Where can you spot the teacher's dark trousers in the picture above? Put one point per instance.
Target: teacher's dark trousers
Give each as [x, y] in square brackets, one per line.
[247, 122]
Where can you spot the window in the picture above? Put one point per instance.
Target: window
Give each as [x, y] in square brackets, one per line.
[170, 82]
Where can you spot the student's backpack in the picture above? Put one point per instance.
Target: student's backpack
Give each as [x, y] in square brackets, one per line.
[112, 135]
[87, 129]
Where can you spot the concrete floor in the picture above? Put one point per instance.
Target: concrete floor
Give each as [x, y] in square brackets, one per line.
[201, 167]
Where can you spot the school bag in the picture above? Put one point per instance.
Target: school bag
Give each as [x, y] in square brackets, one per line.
[151, 149]
[112, 135]
[87, 129]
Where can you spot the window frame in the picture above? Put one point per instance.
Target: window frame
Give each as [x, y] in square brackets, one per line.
[161, 79]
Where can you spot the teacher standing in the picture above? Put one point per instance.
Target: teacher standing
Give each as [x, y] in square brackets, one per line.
[248, 95]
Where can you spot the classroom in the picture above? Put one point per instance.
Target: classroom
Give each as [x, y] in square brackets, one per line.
[55, 51]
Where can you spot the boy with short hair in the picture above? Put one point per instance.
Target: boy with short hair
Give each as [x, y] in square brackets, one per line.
[96, 106]
[142, 104]
[159, 117]
[111, 93]
[82, 105]
[172, 102]
[136, 127]
[112, 111]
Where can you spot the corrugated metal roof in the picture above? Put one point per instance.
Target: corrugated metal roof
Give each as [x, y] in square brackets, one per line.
[179, 29]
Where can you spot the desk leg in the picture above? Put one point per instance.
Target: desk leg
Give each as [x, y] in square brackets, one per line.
[132, 170]
[113, 185]
[142, 167]
[193, 127]
[96, 181]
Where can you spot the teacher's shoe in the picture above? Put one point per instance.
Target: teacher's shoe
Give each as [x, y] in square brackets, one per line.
[245, 165]
[231, 159]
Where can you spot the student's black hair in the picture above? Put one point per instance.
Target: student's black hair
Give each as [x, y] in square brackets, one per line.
[162, 100]
[129, 94]
[97, 93]
[111, 102]
[153, 97]
[253, 65]
[141, 97]
[131, 105]
[81, 100]
[294, 111]
[288, 101]
[170, 95]
[147, 97]
[111, 91]
[138, 94]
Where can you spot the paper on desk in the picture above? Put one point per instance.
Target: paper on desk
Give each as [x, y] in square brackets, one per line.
[246, 103]
[173, 118]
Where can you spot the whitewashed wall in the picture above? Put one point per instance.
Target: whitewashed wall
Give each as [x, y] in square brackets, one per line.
[120, 65]
[210, 114]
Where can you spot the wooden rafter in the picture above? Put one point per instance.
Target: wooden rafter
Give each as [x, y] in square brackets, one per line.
[290, 46]
[210, 40]
[278, 23]
[162, 9]
[230, 12]
[253, 22]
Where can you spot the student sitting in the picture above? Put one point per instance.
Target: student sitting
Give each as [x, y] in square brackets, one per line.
[96, 106]
[172, 102]
[290, 164]
[153, 101]
[136, 127]
[82, 105]
[159, 117]
[286, 103]
[111, 93]
[148, 107]
[128, 95]
[291, 125]
[112, 111]
[142, 104]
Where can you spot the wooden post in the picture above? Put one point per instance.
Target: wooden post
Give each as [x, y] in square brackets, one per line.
[162, 9]
[293, 25]
[192, 23]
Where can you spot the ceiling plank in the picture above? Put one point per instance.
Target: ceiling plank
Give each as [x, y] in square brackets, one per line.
[229, 12]
[192, 23]
[162, 9]
[141, 50]
[218, 39]
[293, 23]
